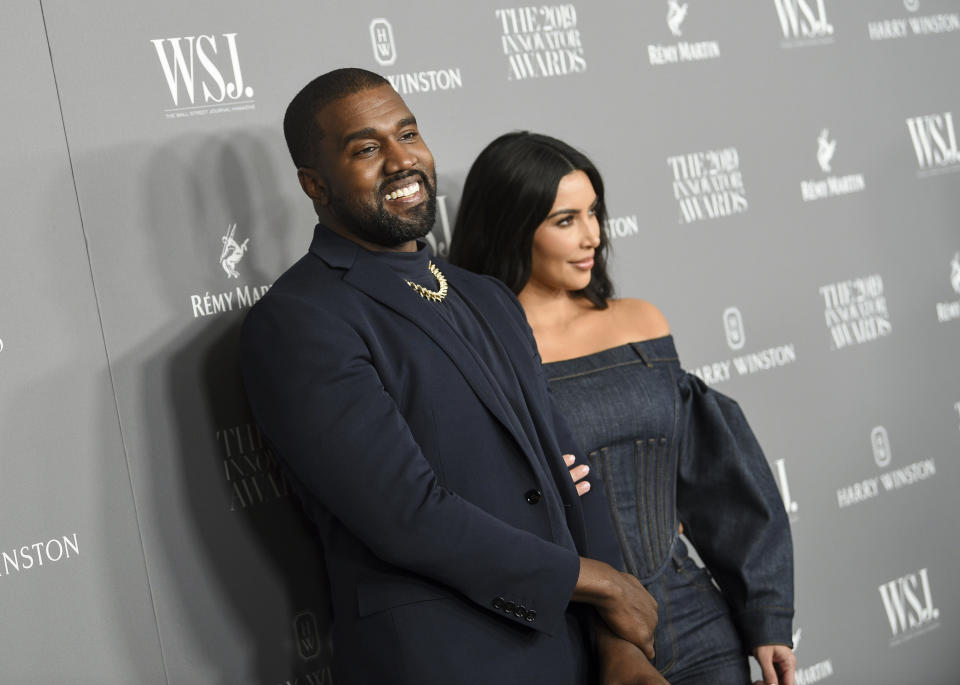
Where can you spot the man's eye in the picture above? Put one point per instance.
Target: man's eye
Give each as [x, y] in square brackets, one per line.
[410, 135]
[366, 150]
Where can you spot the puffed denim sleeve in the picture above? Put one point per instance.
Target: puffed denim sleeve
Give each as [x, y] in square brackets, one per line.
[731, 510]
[317, 395]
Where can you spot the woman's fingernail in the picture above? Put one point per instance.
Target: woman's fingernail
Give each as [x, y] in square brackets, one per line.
[568, 459]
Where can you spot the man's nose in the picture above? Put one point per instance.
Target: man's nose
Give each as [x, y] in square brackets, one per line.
[399, 157]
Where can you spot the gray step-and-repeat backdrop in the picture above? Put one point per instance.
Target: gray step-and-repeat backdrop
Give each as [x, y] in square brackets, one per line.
[784, 182]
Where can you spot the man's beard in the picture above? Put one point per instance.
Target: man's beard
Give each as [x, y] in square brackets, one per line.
[377, 225]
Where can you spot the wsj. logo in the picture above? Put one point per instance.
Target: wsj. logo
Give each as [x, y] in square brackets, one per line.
[733, 327]
[676, 13]
[908, 603]
[801, 22]
[384, 48]
[232, 252]
[934, 142]
[881, 446]
[179, 69]
[788, 504]
[308, 635]
[825, 150]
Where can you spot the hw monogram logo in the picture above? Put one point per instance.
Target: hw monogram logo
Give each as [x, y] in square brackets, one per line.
[908, 604]
[881, 446]
[733, 327]
[384, 48]
[798, 20]
[934, 142]
[178, 58]
[308, 635]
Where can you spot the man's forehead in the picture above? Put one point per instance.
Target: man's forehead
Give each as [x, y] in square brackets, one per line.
[373, 109]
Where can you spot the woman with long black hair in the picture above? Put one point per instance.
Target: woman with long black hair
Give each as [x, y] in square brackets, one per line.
[672, 453]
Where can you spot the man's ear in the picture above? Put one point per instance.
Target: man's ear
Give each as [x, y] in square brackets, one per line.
[313, 185]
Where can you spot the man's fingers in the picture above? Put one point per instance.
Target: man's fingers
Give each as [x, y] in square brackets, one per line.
[568, 459]
[770, 676]
[583, 488]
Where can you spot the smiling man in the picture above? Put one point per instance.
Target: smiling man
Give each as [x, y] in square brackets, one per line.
[405, 399]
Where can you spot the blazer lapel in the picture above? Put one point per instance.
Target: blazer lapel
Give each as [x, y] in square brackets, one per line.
[380, 283]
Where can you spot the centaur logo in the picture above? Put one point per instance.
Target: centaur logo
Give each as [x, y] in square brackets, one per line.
[935, 143]
[803, 22]
[232, 252]
[178, 61]
[950, 311]
[908, 602]
[831, 186]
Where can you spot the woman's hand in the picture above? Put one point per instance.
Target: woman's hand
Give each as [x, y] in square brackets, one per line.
[578, 473]
[777, 662]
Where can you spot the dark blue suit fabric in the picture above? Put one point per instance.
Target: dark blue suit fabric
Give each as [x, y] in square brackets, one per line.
[451, 535]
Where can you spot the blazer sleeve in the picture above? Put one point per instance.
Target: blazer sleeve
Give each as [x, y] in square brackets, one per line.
[732, 511]
[319, 400]
[601, 540]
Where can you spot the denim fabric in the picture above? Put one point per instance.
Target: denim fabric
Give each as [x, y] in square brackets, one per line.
[669, 449]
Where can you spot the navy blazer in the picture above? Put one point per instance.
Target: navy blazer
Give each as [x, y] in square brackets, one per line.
[444, 564]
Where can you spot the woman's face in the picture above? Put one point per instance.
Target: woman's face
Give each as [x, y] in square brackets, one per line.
[563, 245]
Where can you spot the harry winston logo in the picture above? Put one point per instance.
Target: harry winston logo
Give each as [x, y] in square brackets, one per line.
[384, 47]
[911, 5]
[881, 446]
[733, 327]
[232, 252]
[308, 635]
[676, 13]
[908, 603]
[178, 61]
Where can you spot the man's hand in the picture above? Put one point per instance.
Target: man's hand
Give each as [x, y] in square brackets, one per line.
[620, 600]
[621, 662]
[578, 473]
[777, 662]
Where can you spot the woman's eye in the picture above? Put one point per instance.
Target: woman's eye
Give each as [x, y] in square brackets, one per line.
[565, 221]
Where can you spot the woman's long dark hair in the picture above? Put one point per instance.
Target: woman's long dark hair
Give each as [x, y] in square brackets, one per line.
[509, 191]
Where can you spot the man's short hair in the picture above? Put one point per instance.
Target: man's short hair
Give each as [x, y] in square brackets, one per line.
[300, 125]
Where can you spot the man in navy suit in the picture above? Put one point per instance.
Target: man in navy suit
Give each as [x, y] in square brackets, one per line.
[405, 399]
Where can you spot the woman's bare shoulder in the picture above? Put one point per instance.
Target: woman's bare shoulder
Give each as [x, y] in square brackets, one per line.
[639, 319]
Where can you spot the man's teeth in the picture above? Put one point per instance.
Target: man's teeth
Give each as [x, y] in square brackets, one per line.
[406, 191]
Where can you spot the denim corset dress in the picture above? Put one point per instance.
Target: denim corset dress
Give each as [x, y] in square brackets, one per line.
[669, 449]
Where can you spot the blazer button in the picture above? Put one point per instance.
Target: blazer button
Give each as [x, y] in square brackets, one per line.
[531, 615]
[509, 607]
[497, 603]
[521, 612]
[533, 496]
